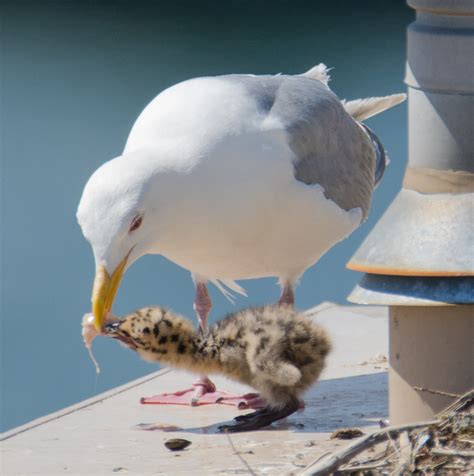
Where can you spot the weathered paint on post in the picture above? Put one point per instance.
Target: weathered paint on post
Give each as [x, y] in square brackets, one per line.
[430, 359]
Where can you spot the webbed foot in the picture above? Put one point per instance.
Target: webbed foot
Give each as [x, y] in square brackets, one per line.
[204, 392]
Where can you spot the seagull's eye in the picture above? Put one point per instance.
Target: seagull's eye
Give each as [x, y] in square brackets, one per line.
[136, 223]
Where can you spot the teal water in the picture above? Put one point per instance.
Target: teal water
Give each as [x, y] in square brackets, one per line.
[75, 75]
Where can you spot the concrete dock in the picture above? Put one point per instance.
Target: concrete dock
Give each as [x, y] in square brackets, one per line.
[113, 433]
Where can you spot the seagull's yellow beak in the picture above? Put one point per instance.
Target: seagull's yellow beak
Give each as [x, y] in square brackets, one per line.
[104, 291]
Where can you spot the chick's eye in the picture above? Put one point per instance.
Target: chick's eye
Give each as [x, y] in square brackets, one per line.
[136, 222]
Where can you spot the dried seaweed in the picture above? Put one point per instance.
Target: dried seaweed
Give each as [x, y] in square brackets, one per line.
[442, 446]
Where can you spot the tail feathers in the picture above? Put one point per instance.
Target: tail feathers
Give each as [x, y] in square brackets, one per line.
[361, 109]
[320, 72]
[227, 287]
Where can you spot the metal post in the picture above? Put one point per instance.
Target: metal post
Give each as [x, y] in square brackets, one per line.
[420, 256]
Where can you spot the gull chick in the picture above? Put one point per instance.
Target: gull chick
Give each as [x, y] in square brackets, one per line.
[275, 349]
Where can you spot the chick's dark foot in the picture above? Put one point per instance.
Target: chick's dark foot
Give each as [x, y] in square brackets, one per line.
[266, 409]
[249, 416]
[261, 419]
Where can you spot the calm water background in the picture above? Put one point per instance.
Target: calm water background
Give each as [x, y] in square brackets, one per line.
[75, 75]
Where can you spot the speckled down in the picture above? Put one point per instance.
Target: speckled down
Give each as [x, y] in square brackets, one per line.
[275, 349]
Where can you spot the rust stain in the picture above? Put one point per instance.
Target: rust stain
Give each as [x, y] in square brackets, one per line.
[404, 271]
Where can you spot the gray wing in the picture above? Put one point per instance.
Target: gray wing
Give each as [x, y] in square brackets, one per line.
[330, 147]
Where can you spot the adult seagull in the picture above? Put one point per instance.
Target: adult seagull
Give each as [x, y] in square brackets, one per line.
[233, 177]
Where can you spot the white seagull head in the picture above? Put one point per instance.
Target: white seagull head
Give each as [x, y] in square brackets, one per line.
[116, 217]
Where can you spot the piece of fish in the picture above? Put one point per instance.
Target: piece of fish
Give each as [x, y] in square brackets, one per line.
[89, 333]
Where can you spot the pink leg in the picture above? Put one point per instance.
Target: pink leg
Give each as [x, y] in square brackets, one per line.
[287, 296]
[202, 306]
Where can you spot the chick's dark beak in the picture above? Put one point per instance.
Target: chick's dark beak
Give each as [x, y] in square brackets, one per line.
[111, 328]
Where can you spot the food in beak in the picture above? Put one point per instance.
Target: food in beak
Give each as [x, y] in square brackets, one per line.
[90, 332]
